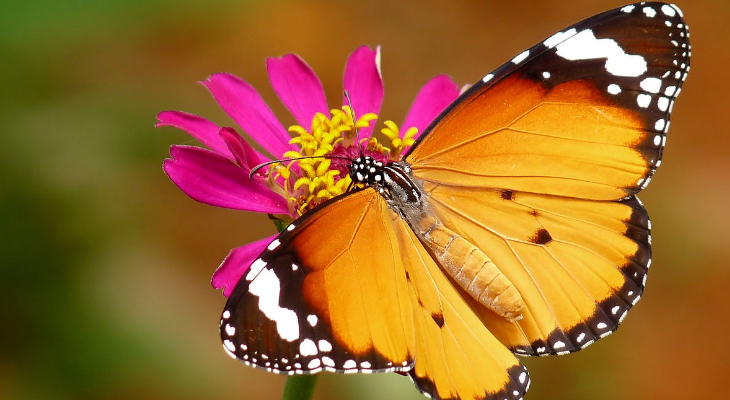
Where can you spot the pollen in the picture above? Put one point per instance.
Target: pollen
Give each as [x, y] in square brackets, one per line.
[327, 141]
[311, 181]
[398, 143]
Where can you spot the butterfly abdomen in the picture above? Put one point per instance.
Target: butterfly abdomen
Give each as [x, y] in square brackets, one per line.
[473, 270]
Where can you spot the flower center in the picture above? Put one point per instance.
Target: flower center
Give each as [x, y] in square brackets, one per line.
[309, 182]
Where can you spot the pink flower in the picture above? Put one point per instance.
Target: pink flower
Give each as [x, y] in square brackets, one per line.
[219, 175]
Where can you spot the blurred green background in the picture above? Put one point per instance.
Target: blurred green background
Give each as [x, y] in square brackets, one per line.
[106, 264]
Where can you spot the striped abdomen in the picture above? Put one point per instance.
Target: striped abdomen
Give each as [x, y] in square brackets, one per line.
[471, 268]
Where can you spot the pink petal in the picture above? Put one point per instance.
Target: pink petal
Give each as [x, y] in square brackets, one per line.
[364, 82]
[198, 127]
[241, 101]
[298, 87]
[212, 179]
[246, 156]
[433, 98]
[236, 264]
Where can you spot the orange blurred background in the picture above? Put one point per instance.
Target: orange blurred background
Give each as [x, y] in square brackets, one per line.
[106, 264]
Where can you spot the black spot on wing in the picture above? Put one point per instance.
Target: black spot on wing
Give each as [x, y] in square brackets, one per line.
[508, 195]
[542, 236]
[438, 318]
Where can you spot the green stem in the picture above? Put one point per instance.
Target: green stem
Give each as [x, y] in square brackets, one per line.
[299, 387]
[280, 224]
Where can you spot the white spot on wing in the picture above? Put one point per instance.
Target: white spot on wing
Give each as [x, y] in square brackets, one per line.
[559, 37]
[546, 75]
[226, 314]
[255, 269]
[267, 287]
[349, 364]
[643, 100]
[621, 318]
[307, 348]
[614, 88]
[325, 346]
[651, 85]
[650, 12]
[659, 125]
[663, 103]
[628, 8]
[585, 46]
[487, 78]
[274, 244]
[230, 330]
[312, 319]
[668, 10]
[521, 57]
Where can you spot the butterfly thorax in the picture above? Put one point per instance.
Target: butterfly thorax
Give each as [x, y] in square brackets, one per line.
[393, 181]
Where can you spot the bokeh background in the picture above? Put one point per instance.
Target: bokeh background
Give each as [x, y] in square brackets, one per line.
[105, 264]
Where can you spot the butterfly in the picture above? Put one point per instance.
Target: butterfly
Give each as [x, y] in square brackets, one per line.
[511, 227]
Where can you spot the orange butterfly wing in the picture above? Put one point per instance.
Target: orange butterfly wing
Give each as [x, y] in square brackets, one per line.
[537, 164]
[325, 295]
[349, 288]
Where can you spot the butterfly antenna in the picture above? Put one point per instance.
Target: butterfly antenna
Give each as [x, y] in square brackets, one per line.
[354, 122]
[258, 167]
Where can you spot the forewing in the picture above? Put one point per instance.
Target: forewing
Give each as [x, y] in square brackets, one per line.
[457, 357]
[582, 114]
[329, 293]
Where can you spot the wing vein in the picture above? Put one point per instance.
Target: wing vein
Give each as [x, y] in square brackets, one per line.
[462, 172]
